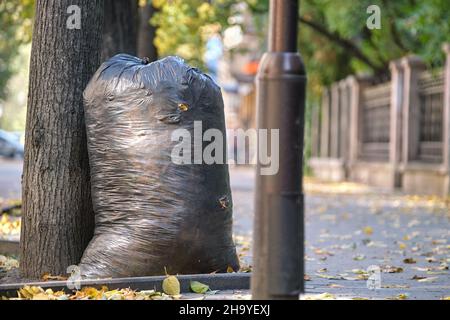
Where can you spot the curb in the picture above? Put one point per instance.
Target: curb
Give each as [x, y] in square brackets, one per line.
[222, 281]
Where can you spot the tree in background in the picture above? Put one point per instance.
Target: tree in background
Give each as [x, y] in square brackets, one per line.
[335, 41]
[15, 26]
[147, 32]
[184, 26]
[57, 215]
[13, 113]
[120, 28]
[334, 38]
[127, 29]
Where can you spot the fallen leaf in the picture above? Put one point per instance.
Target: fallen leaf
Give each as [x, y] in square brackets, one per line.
[409, 260]
[395, 286]
[322, 296]
[171, 286]
[401, 245]
[319, 251]
[359, 257]
[391, 269]
[41, 296]
[430, 279]
[368, 230]
[198, 287]
[329, 277]
[359, 271]
[49, 277]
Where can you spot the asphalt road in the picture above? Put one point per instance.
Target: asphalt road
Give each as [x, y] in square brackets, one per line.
[10, 178]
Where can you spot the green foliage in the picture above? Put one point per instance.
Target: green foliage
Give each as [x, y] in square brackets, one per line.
[184, 26]
[15, 26]
[334, 40]
[14, 105]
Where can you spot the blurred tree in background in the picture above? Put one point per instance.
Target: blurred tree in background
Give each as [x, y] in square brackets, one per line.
[15, 36]
[15, 26]
[184, 26]
[333, 39]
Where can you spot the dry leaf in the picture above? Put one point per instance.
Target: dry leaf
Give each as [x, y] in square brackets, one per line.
[409, 260]
[49, 277]
[171, 286]
[368, 230]
[391, 269]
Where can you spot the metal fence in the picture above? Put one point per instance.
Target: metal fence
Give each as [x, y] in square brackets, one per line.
[395, 133]
[375, 123]
[431, 96]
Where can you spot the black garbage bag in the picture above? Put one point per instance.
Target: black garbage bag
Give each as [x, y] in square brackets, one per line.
[153, 215]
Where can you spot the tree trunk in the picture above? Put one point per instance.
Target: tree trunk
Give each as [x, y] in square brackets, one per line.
[120, 28]
[58, 219]
[147, 32]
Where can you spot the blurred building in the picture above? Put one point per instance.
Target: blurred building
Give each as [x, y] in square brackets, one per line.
[235, 72]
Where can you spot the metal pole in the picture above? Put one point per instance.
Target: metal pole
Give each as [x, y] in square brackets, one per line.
[278, 266]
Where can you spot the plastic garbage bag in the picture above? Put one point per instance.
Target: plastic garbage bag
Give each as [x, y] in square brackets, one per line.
[152, 215]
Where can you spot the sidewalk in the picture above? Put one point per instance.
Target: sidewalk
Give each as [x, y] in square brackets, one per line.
[350, 227]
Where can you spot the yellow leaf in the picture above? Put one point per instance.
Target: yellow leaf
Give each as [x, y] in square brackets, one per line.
[171, 286]
[41, 296]
[28, 292]
[92, 293]
[183, 107]
[49, 277]
[322, 296]
[368, 230]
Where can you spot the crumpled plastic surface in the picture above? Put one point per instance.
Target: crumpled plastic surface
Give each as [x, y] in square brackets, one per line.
[153, 216]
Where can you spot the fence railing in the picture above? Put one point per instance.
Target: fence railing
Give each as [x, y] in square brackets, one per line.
[401, 126]
[375, 123]
[431, 128]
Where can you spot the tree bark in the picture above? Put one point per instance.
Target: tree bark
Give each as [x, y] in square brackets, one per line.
[58, 219]
[147, 33]
[120, 28]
